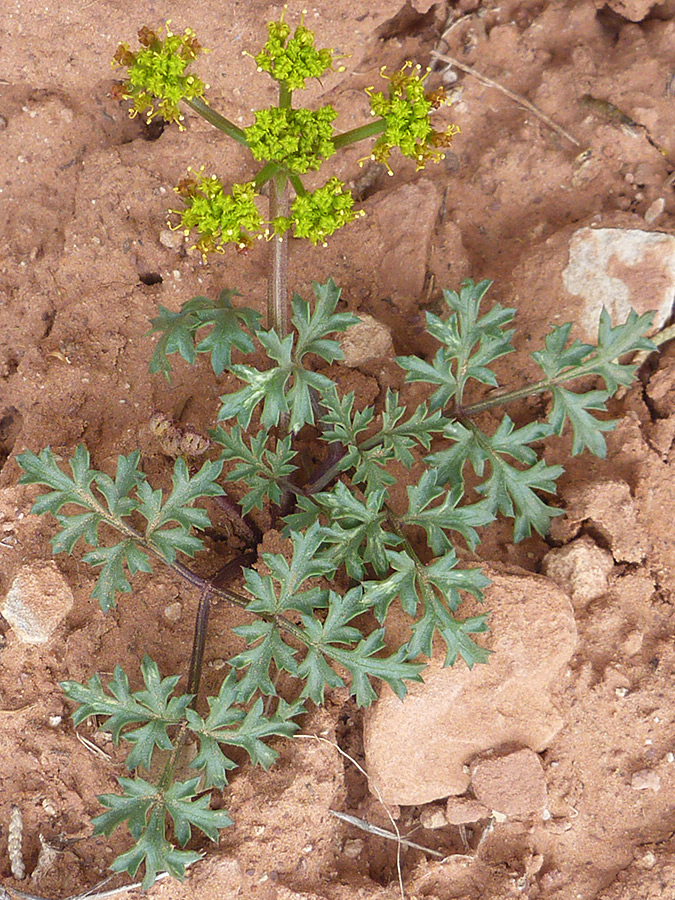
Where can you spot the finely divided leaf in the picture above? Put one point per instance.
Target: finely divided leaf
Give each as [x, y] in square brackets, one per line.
[357, 533]
[261, 468]
[313, 326]
[178, 508]
[266, 646]
[112, 577]
[144, 807]
[226, 331]
[586, 428]
[306, 563]
[470, 343]
[455, 632]
[178, 332]
[328, 639]
[446, 516]
[153, 706]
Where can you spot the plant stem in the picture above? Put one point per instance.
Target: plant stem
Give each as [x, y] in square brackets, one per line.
[277, 288]
[215, 119]
[198, 642]
[502, 397]
[359, 134]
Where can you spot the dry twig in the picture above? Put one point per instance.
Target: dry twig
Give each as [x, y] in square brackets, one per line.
[517, 98]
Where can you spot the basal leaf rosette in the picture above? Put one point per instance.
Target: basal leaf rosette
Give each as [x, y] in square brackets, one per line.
[406, 111]
[317, 215]
[292, 60]
[218, 217]
[299, 139]
[157, 79]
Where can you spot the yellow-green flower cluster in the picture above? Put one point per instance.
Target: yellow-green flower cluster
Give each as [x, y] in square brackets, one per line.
[406, 110]
[317, 215]
[293, 61]
[157, 79]
[218, 218]
[296, 138]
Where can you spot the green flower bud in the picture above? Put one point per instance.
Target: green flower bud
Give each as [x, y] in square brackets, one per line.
[218, 218]
[293, 61]
[157, 80]
[317, 215]
[297, 138]
[406, 111]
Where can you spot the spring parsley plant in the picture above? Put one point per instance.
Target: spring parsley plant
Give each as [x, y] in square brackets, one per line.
[320, 612]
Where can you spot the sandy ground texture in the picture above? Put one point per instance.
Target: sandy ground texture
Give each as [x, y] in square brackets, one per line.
[85, 258]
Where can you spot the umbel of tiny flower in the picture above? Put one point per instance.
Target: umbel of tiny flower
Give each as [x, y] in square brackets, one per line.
[293, 61]
[406, 111]
[157, 79]
[219, 218]
[317, 215]
[297, 138]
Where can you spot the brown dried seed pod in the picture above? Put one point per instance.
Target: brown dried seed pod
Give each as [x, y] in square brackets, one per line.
[45, 860]
[176, 440]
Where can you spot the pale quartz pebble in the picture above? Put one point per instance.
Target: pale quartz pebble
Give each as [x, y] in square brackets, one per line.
[353, 848]
[632, 643]
[654, 210]
[173, 612]
[432, 817]
[581, 567]
[645, 780]
[37, 602]
[172, 240]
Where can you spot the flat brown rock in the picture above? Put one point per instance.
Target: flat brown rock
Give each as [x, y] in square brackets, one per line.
[417, 750]
[514, 785]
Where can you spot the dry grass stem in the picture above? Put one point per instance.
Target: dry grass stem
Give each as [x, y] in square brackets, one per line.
[517, 98]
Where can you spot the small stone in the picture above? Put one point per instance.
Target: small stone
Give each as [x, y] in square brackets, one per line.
[514, 784]
[173, 612]
[432, 817]
[647, 860]
[462, 811]
[367, 340]
[633, 643]
[37, 602]
[55, 721]
[654, 210]
[581, 568]
[172, 240]
[646, 780]
[353, 849]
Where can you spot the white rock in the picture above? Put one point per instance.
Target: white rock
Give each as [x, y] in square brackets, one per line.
[173, 612]
[646, 780]
[432, 817]
[37, 602]
[621, 269]
[654, 210]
